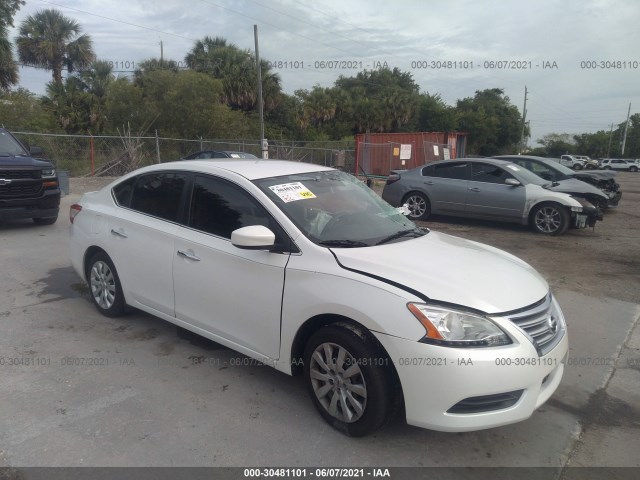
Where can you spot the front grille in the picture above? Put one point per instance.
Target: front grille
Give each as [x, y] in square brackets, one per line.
[30, 189]
[541, 323]
[487, 403]
[19, 174]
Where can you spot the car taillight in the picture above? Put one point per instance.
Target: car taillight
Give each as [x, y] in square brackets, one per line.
[73, 211]
[393, 177]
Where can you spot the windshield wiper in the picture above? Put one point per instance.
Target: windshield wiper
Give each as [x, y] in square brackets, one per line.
[342, 243]
[403, 233]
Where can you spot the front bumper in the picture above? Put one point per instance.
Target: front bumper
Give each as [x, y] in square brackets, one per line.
[614, 199]
[45, 206]
[436, 381]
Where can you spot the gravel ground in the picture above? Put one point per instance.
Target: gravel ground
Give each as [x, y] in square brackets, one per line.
[605, 260]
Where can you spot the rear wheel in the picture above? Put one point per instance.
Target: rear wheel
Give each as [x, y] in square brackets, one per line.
[577, 166]
[607, 167]
[633, 169]
[419, 206]
[550, 219]
[349, 379]
[45, 220]
[104, 285]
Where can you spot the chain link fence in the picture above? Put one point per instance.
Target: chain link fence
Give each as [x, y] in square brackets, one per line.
[84, 155]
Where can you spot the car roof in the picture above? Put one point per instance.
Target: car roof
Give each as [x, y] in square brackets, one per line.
[252, 170]
[490, 160]
[528, 157]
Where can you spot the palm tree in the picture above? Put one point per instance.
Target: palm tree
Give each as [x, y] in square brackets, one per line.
[8, 68]
[49, 39]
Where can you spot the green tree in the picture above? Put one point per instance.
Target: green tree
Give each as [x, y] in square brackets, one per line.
[49, 39]
[556, 144]
[433, 115]
[493, 124]
[236, 68]
[8, 67]
[381, 100]
[22, 110]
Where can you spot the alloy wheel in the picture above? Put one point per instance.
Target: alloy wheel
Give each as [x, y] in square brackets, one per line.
[417, 206]
[103, 285]
[548, 219]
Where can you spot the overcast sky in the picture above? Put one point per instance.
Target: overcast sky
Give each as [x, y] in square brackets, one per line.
[408, 34]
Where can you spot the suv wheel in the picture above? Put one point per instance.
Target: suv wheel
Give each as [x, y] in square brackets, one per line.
[633, 168]
[550, 219]
[45, 221]
[577, 166]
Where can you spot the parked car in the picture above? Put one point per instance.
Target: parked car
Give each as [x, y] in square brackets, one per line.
[590, 163]
[564, 180]
[571, 162]
[618, 164]
[28, 186]
[338, 286]
[489, 189]
[218, 154]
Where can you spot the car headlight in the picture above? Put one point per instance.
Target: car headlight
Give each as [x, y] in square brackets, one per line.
[48, 173]
[453, 328]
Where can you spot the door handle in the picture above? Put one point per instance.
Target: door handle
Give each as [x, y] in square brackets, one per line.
[474, 189]
[189, 254]
[119, 232]
[428, 183]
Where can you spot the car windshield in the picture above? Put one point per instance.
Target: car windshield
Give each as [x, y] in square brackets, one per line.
[9, 146]
[335, 209]
[560, 168]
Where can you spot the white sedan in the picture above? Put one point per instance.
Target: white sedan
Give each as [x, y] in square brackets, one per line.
[306, 269]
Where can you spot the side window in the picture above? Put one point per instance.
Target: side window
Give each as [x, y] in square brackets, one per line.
[159, 194]
[457, 171]
[122, 192]
[428, 171]
[483, 172]
[219, 207]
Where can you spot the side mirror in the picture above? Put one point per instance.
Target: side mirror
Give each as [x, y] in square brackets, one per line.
[512, 181]
[36, 150]
[254, 237]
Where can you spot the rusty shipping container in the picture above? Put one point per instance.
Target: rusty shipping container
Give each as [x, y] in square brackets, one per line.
[379, 153]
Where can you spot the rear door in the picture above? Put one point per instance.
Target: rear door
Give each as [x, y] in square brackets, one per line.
[140, 236]
[230, 292]
[446, 185]
[490, 197]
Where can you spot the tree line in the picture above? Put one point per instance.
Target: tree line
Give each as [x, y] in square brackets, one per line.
[213, 94]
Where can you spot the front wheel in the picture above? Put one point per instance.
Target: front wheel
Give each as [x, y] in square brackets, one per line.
[550, 219]
[419, 206]
[348, 379]
[104, 285]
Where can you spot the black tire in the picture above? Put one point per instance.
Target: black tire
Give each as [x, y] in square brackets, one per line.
[577, 166]
[45, 220]
[607, 167]
[369, 383]
[104, 286]
[633, 169]
[550, 219]
[419, 206]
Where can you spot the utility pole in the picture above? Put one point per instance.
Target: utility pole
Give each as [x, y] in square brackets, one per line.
[161, 54]
[263, 141]
[626, 128]
[524, 118]
[609, 147]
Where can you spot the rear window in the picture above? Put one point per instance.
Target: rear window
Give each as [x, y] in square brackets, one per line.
[159, 195]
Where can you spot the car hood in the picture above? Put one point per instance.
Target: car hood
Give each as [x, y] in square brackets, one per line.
[18, 161]
[597, 174]
[452, 270]
[576, 187]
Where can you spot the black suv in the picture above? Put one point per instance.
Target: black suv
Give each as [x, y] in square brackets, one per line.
[28, 187]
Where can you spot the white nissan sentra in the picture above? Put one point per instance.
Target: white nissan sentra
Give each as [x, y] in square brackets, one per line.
[306, 269]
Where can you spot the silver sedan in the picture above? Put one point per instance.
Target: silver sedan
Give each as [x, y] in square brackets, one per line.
[487, 189]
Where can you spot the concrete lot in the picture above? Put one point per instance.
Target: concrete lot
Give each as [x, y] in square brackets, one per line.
[149, 394]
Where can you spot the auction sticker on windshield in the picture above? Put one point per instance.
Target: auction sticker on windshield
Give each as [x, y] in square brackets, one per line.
[290, 192]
